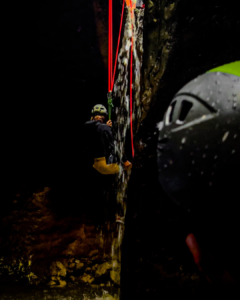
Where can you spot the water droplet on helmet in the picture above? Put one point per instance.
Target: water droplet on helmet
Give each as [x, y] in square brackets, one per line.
[206, 147]
[235, 135]
[193, 162]
[215, 157]
[234, 95]
[204, 155]
[225, 136]
[233, 151]
[217, 82]
[202, 173]
[210, 183]
[160, 125]
[220, 91]
[218, 100]
[183, 140]
[213, 104]
[234, 105]
[189, 174]
[180, 147]
[208, 99]
[165, 166]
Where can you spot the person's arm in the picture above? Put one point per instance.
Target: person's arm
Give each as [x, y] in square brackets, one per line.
[109, 136]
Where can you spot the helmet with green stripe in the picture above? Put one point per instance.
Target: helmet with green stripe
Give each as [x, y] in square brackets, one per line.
[199, 140]
[232, 68]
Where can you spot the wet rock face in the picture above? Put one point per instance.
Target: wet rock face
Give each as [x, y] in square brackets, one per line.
[83, 292]
[159, 27]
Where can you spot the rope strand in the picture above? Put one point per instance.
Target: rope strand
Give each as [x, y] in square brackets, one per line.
[109, 43]
[131, 63]
[119, 36]
[111, 74]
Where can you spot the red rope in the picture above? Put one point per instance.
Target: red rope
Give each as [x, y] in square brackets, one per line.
[109, 43]
[112, 75]
[131, 63]
[109, 46]
[119, 36]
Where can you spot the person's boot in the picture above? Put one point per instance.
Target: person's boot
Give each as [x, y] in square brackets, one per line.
[120, 219]
[127, 165]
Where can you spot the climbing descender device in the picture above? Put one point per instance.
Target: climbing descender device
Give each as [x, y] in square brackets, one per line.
[110, 104]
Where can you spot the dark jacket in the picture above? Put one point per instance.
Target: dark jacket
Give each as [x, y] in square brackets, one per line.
[99, 140]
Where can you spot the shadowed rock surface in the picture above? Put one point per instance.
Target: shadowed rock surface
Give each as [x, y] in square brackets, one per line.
[78, 293]
[48, 248]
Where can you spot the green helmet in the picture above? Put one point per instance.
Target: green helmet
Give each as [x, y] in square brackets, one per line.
[99, 109]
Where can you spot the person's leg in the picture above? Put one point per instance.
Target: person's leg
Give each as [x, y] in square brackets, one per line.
[96, 196]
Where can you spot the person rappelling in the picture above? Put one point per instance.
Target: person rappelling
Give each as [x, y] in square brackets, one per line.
[100, 154]
[100, 143]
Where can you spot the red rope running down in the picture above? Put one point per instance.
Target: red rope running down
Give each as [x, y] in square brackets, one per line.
[131, 63]
[119, 36]
[109, 43]
[108, 46]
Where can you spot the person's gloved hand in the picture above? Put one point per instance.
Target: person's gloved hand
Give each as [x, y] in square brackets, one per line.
[127, 165]
[109, 123]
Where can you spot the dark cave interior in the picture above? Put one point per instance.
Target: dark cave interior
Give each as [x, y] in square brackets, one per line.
[57, 74]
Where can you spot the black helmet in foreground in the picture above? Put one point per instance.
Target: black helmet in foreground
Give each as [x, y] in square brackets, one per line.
[199, 142]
